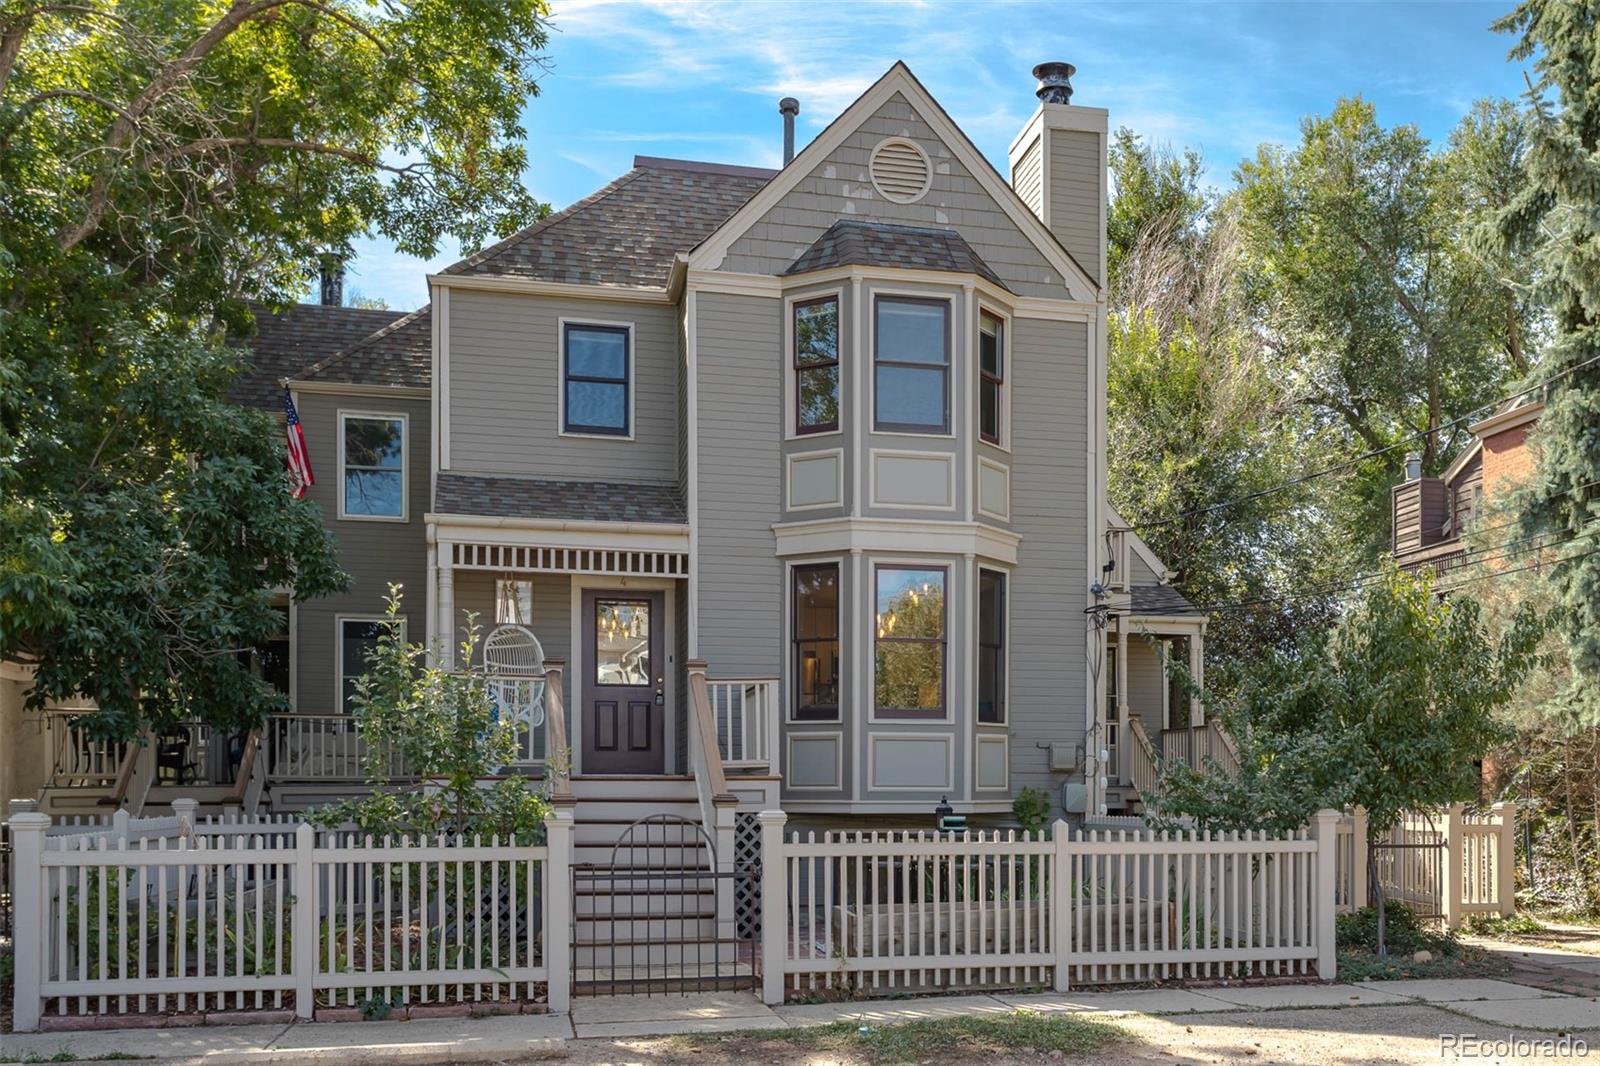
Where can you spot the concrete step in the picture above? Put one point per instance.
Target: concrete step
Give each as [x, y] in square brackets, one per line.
[644, 787]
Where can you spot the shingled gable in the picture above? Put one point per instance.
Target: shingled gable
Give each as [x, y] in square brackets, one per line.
[399, 355]
[709, 253]
[628, 233]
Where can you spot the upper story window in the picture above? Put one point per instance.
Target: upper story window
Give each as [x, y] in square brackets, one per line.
[372, 465]
[991, 375]
[596, 386]
[909, 659]
[816, 365]
[816, 643]
[991, 647]
[911, 365]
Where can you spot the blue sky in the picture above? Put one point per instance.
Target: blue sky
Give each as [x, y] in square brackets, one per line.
[700, 79]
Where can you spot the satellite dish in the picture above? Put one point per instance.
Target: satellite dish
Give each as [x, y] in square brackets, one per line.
[513, 669]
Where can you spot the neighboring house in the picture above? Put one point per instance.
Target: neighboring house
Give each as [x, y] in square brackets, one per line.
[1433, 514]
[835, 431]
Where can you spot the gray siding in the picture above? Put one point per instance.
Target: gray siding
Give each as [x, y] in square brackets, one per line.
[1076, 179]
[1146, 683]
[552, 609]
[1028, 176]
[1139, 571]
[740, 420]
[505, 380]
[1050, 509]
[373, 553]
[840, 186]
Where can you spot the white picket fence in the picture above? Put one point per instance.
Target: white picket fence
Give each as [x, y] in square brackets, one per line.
[216, 915]
[893, 911]
[1445, 864]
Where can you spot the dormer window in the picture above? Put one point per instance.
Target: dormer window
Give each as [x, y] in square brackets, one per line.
[911, 365]
[816, 365]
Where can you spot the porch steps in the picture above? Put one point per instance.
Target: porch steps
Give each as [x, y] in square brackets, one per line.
[644, 900]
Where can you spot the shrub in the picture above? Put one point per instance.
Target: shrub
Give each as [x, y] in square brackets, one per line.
[1406, 933]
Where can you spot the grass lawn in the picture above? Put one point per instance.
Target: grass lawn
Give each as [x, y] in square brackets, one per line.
[949, 1039]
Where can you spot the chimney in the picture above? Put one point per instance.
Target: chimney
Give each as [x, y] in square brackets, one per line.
[1413, 466]
[788, 107]
[332, 281]
[1058, 167]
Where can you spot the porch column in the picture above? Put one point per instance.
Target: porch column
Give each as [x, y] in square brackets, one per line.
[447, 609]
[1197, 670]
[432, 612]
[1123, 736]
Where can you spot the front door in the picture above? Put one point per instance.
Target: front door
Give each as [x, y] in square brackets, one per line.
[625, 701]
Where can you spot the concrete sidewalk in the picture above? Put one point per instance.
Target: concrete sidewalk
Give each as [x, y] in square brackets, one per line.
[624, 1017]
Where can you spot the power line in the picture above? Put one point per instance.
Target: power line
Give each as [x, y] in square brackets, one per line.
[1348, 463]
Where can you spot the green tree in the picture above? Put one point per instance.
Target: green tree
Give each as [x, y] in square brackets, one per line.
[1554, 218]
[161, 164]
[1389, 710]
[444, 728]
[1383, 324]
[1153, 188]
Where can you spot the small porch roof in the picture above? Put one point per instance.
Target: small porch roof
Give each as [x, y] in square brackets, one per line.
[582, 501]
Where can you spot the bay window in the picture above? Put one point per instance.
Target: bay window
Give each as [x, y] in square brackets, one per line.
[991, 375]
[816, 365]
[911, 365]
[991, 647]
[815, 629]
[909, 647]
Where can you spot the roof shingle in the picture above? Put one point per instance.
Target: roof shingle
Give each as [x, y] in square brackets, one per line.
[400, 354]
[857, 242]
[627, 233]
[593, 501]
[1159, 600]
[286, 342]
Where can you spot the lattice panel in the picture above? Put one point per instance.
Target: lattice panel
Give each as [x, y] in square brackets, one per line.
[747, 856]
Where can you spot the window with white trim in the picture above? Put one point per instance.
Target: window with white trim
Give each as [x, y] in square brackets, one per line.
[372, 466]
[909, 650]
[991, 647]
[596, 371]
[358, 640]
[991, 375]
[816, 365]
[911, 364]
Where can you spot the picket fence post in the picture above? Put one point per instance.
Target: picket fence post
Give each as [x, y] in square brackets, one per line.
[1358, 858]
[558, 910]
[1454, 868]
[303, 920]
[187, 811]
[1505, 854]
[27, 916]
[1060, 903]
[1325, 831]
[774, 906]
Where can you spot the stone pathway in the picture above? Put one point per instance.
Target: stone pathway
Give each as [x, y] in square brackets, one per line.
[1546, 967]
[623, 1018]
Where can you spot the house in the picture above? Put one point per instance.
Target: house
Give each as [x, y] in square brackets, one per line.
[829, 437]
[1432, 515]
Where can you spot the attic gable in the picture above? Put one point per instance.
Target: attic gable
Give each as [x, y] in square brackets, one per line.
[832, 179]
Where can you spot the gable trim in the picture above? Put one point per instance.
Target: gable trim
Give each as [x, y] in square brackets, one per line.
[709, 254]
[534, 287]
[1115, 522]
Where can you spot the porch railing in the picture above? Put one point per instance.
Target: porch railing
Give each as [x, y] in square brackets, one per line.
[78, 758]
[1143, 767]
[1194, 745]
[320, 748]
[745, 712]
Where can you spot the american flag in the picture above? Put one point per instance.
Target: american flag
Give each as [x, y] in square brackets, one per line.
[299, 457]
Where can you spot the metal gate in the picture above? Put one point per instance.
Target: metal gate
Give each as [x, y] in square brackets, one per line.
[1410, 863]
[659, 917]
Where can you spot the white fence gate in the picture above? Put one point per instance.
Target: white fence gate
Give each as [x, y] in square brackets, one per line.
[1445, 864]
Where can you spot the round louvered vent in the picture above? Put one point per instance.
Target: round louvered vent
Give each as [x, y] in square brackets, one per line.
[900, 170]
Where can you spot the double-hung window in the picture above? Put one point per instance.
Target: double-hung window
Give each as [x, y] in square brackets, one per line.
[991, 647]
[596, 366]
[909, 651]
[358, 640]
[816, 365]
[816, 642]
[991, 375]
[911, 365]
[372, 464]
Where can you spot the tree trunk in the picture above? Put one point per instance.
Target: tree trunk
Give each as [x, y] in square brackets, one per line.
[1375, 890]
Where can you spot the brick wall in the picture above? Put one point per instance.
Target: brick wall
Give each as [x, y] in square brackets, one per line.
[1507, 458]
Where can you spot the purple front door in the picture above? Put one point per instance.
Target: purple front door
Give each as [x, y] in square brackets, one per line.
[624, 684]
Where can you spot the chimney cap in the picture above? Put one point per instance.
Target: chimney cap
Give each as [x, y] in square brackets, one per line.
[788, 106]
[1413, 466]
[1055, 82]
